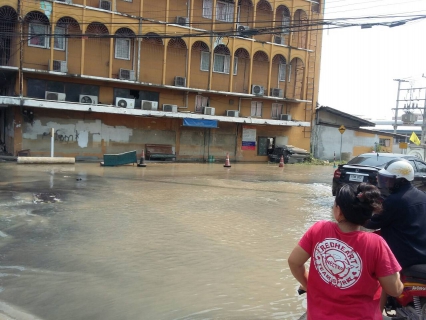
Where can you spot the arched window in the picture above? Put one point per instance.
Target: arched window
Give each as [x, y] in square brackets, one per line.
[205, 54]
[38, 29]
[284, 14]
[221, 59]
[280, 61]
[64, 26]
[245, 12]
[8, 18]
[124, 43]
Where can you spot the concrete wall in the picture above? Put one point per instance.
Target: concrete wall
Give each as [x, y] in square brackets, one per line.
[328, 142]
[87, 134]
[9, 131]
[200, 143]
[92, 135]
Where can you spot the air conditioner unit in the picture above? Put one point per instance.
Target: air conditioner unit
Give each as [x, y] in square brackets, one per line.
[241, 28]
[277, 92]
[180, 81]
[279, 40]
[209, 111]
[60, 66]
[232, 113]
[170, 108]
[257, 90]
[125, 103]
[286, 117]
[55, 96]
[183, 21]
[126, 74]
[84, 98]
[105, 4]
[149, 105]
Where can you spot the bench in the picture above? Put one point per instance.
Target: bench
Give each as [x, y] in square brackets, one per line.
[23, 153]
[111, 160]
[159, 151]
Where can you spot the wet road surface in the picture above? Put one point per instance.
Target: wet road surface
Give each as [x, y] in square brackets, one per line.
[169, 241]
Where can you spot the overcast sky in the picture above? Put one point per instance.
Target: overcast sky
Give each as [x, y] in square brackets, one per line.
[358, 65]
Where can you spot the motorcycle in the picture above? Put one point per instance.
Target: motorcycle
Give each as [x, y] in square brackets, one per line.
[411, 304]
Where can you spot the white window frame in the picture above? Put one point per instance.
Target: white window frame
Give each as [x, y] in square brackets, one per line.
[224, 66]
[256, 109]
[207, 9]
[235, 65]
[281, 72]
[43, 35]
[276, 111]
[117, 51]
[200, 103]
[205, 61]
[289, 72]
[224, 11]
[238, 14]
[285, 24]
[384, 142]
[63, 32]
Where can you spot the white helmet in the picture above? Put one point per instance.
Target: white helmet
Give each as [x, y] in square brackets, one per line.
[395, 171]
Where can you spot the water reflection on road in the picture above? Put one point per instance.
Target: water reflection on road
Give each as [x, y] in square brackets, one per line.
[169, 241]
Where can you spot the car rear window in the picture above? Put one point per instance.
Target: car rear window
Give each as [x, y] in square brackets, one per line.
[371, 161]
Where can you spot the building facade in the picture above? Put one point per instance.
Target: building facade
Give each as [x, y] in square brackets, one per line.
[208, 77]
[357, 137]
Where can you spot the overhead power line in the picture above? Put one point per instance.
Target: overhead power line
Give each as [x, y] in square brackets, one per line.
[312, 26]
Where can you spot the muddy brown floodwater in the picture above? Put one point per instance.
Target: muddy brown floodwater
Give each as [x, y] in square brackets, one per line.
[170, 241]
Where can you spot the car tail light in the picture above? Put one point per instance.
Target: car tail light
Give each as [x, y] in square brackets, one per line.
[337, 174]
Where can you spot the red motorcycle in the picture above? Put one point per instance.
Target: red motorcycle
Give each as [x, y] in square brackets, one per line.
[411, 304]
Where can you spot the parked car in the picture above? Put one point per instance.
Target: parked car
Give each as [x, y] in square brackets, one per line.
[364, 168]
[290, 154]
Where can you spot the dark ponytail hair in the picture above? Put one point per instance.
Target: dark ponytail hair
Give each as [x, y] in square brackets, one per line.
[358, 204]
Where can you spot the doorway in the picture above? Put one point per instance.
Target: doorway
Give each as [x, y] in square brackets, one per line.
[266, 146]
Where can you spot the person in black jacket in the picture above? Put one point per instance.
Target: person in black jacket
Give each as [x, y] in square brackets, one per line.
[403, 221]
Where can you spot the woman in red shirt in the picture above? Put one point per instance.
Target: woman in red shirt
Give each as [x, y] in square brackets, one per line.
[348, 267]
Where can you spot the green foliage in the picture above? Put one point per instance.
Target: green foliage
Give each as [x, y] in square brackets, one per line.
[313, 161]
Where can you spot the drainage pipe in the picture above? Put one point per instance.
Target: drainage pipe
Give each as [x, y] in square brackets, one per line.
[45, 160]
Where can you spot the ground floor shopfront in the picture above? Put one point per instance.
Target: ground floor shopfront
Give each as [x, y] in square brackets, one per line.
[85, 132]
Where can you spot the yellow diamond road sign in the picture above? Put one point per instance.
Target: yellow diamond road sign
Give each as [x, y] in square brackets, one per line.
[342, 129]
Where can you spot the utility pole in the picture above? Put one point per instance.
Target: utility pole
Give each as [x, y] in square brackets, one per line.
[21, 51]
[410, 106]
[397, 103]
[424, 116]
[422, 139]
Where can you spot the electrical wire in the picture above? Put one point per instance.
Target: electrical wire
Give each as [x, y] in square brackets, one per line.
[311, 25]
[147, 12]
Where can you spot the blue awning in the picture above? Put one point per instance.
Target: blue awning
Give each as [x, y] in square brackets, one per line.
[202, 123]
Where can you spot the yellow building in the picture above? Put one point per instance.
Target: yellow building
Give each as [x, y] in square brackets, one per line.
[207, 77]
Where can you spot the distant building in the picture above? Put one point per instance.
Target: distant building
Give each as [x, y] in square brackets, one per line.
[327, 141]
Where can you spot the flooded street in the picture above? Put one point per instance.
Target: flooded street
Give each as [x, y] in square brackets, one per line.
[170, 241]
